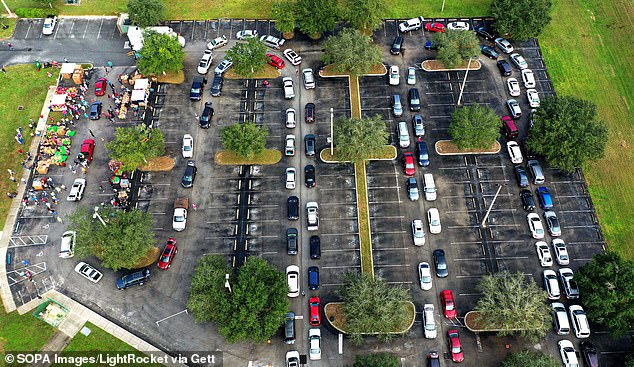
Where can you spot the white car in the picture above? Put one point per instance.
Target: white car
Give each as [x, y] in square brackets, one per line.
[314, 344]
[424, 276]
[217, 42]
[292, 56]
[513, 86]
[290, 145]
[292, 278]
[289, 89]
[568, 353]
[519, 61]
[514, 152]
[504, 45]
[225, 65]
[290, 178]
[551, 284]
[433, 217]
[246, 34]
[429, 321]
[552, 223]
[535, 225]
[292, 358]
[272, 42]
[49, 25]
[395, 78]
[459, 26]
[418, 233]
[205, 62]
[411, 24]
[543, 253]
[309, 78]
[528, 77]
[579, 320]
[514, 108]
[566, 277]
[77, 190]
[411, 75]
[188, 146]
[67, 246]
[291, 119]
[88, 272]
[533, 98]
[561, 252]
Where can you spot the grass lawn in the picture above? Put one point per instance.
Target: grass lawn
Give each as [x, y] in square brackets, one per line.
[10, 23]
[367, 262]
[22, 332]
[22, 85]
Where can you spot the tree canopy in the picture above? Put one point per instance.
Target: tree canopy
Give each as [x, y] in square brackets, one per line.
[567, 133]
[371, 305]
[283, 12]
[520, 19]
[245, 139]
[248, 57]
[475, 126]
[146, 13]
[161, 53]
[606, 285]
[376, 360]
[133, 146]
[352, 52]
[364, 14]
[357, 139]
[455, 47]
[316, 16]
[254, 308]
[529, 358]
[120, 244]
[511, 302]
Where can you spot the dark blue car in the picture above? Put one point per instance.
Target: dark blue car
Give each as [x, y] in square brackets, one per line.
[545, 200]
[313, 278]
[421, 153]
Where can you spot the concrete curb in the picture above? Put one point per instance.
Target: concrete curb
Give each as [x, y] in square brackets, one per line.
[476, 63]
[496, 151]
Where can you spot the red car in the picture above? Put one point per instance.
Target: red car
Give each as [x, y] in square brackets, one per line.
[446, 298]
[100, 86]
[168, 254]
[453, 341]
[276, 61]
[408, 164]
[435, 27]
[315, 317]
[87, 149]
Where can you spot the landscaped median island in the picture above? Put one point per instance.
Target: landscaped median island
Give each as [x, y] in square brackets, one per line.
[448, 147]
[229, 158]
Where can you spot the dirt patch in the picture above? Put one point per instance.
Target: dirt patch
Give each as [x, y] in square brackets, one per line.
[268, 156]
[150, 258]
[447, 147]
[158, 164]
[437, 65]
[388, 152]
[172, 78]
[268, 72]
[328, 71]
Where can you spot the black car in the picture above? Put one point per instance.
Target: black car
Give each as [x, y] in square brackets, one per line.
[522, 177]
[95, 110]
[440, 262]
[526, 151]
[196, 92]
[433, 359]
[309, 113]
[315, 247]
[590, 355]
[205, 117]
[292, 207]
[291, 241]
[528, 201]
[414, 99]
[489, 52]
[421, 153]
[309, 145]
[504, 67]
[309, 176]
[190, 175]
[397, 46]
[216, 85]
[485, 33]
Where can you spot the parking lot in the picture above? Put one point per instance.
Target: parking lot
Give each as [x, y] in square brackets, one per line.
[466, 187]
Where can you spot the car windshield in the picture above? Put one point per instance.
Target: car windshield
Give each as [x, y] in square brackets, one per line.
[456, 349]
[179, 218]
[165, 258]
[426, 279]
[449, 305]
[187, 148]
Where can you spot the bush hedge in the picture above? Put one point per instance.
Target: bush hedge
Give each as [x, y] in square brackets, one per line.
[35, 12]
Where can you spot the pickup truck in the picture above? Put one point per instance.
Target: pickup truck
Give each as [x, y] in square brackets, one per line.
[312, 216]
[180, 214]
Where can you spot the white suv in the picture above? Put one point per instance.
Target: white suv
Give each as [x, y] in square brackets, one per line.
[290, 145]
[290, 178]
[309, 78]
[289, 90]
[411, 24]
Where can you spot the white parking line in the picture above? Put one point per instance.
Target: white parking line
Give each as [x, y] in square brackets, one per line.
[384, 202]
[391, 265]
[585, 226]
[382, 187]
[390, 249]
[389, 217]
[339, 234]
[341, 250]
[340, 267]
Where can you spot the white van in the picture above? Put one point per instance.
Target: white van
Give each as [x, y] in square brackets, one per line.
[403, 134]
[561, 325]
[67, 247]
[429, 187]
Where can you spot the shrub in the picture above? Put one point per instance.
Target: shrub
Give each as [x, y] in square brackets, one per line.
[35, 12]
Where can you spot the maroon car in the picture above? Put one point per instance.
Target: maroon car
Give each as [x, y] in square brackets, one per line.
[100, 86]
[87, 149]
[168, 254]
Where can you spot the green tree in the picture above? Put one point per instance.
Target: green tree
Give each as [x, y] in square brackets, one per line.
[248, 57]
[520, 19]
[253, 310]
[161, 53]
[245, 139]
[357, 139]
[133, 146]
[316, 16]
[510, 302]
[121, 243]
[455, 47]
[529, 358]
[606, 285]
[146, 13]
[376, 360]
[371, 305]
[475, 126]
[629, 360]
[283, 12]
[567, 133]
[351, 52]
[364, 15]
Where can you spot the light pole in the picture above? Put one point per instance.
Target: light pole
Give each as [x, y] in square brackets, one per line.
[486, 216]
[463, 83]
[97, 216]
[7, 8]
[442, 8]
[227, 284]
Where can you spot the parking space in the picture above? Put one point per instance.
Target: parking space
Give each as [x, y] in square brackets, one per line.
[74, 28]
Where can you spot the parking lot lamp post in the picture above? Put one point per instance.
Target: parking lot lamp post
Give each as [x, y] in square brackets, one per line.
[442, 8]
[486, 216]
[464, 82]
[332, 134]
[227, 284]
[7, 8]
[97, 216]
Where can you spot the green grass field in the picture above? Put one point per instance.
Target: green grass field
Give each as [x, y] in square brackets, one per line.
[22, 332]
